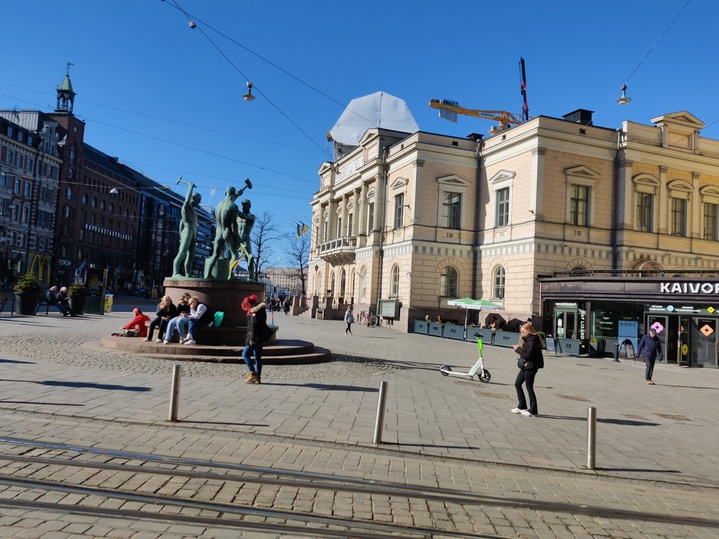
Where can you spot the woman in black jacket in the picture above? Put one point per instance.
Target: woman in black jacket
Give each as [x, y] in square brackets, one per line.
[258, 333]
[531, 359]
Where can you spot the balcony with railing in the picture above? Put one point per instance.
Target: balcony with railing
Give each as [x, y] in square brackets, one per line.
[338, 251]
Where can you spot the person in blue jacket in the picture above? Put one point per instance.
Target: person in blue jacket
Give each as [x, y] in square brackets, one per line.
[650, 348]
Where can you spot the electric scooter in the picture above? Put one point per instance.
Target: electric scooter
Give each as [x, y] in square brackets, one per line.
[477, 369]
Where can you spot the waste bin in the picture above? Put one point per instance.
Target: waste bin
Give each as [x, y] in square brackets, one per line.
[94, 305]
[108, 303]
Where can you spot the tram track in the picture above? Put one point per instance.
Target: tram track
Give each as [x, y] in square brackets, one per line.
[154, 470]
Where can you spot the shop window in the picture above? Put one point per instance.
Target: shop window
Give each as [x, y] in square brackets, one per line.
[498, 281]
[448, 283]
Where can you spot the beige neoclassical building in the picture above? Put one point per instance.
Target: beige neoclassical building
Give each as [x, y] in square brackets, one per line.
[405, 222]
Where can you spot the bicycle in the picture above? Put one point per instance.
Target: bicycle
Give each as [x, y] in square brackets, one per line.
[362, 317]
[373, 320]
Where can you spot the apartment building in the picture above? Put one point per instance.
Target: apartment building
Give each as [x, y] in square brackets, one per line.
[538, 218]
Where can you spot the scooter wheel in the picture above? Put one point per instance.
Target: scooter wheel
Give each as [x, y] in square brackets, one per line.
[485, 376]
[444, 368]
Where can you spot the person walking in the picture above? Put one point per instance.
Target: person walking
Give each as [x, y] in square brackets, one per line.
[529, 362]
[258, 333]
[349, 320]
[650, 348]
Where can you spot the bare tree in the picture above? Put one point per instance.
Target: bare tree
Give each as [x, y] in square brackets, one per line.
[264, 235]
[298, 250]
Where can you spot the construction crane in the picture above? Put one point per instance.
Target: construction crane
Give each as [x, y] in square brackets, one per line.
[449, 109]
[505, 119]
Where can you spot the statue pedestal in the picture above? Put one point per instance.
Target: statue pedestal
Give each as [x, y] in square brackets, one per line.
[225, 296]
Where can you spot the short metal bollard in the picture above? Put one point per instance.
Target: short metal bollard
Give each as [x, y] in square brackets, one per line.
[175, 391]
[591, 438]
[616, 352]
[381, 406]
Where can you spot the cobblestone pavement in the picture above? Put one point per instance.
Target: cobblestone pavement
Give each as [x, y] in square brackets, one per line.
[656, 454]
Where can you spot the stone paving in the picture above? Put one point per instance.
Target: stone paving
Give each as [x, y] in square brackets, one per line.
[656, 449]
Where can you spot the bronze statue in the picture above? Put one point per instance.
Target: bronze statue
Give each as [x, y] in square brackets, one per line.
[227, 234]
[245, 222]
[182, 266]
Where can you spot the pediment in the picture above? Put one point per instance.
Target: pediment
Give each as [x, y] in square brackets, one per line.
[581, 171]
[682, 118]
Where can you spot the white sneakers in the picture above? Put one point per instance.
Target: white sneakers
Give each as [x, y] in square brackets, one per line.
[189, 342]
[158, 341]
[517, 411]
[525, 413]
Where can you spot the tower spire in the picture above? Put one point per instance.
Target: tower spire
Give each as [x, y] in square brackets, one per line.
[65, 93]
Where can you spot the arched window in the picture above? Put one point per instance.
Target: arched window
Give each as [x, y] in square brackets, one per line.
[332, 284]
[94, 202]
[68, 194]
[395, 281]
[343, 282]
[84, 198]
[498, 283]
[448, 282]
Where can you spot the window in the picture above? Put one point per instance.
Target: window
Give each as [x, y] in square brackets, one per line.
[679, 217]
[363, 284]
[68, 193]
[370, 217]
[395, 281]
[579, 205]
[10, 157]
[350, 232]
[28, 189]
[84, 198]
[498, 283]
[18, 186]
[20, 161]
[451, 205]
[710, 222]
[3, 179]
[25, 214]
[343, 282]
[645, 212]
[339, 227]
[399, 211]
[94, 202]
[502, 207]
[448, 282]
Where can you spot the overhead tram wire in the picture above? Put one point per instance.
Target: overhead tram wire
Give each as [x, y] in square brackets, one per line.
[190, 17]
[171, 2]
[611, 98]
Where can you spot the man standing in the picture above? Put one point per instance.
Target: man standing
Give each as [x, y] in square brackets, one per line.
[226, 234]
[650, 348]
[245, 222]
[182, 265]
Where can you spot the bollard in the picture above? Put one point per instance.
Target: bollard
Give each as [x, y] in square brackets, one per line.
[381, 405]
[616, 352]
[175, 391]
[591, 438]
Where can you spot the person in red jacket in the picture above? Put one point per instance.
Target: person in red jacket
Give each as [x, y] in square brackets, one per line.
[139, 323]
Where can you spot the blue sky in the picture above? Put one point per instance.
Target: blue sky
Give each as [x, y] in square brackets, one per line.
[166, 99]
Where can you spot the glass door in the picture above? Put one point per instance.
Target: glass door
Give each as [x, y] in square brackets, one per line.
[704, 337]
[565, 323]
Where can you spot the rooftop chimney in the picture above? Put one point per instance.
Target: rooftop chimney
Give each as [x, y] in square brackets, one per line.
[580, 116]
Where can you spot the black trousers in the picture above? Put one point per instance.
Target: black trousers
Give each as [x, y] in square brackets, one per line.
[650, 367]
[526, 378]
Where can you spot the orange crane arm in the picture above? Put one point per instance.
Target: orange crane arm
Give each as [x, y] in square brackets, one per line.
[505, 119]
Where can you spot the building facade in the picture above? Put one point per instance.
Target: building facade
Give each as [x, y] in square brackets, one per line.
[407, 222]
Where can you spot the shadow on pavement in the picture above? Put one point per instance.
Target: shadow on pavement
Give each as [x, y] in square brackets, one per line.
[83, 384]
[627, 422]
[17, 361]
[325, 387]
[223, 423]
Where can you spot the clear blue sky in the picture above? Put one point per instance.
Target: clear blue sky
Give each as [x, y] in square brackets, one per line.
[165, 99]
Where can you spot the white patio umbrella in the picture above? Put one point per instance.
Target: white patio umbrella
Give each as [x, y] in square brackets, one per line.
[475, 305]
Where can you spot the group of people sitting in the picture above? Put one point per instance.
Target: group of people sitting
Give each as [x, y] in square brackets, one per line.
[60, 299]
[186, 318]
